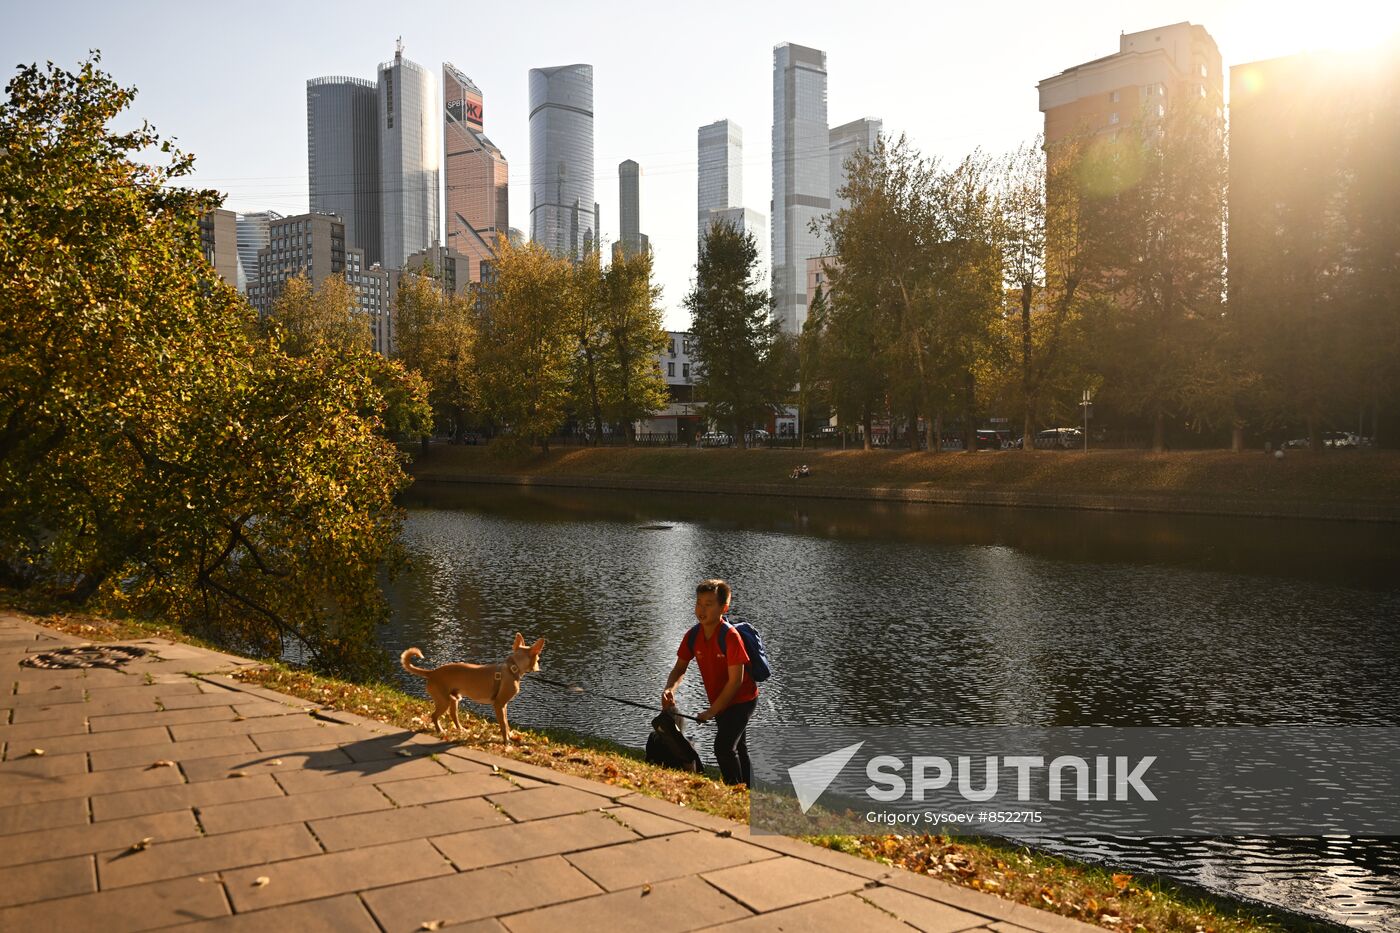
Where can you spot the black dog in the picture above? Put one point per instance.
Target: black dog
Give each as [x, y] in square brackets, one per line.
[668, 746]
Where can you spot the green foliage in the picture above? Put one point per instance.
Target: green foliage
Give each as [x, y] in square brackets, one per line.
[435, 337]
[633, 337]
[304, 318]
[733, 336]
[528, 339]
[155, 451]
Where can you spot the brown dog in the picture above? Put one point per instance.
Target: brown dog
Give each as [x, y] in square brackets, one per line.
[492, 685]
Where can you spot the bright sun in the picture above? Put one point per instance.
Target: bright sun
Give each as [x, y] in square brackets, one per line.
[1269, 30]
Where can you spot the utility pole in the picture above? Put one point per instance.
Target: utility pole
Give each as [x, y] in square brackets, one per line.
[1086, 403]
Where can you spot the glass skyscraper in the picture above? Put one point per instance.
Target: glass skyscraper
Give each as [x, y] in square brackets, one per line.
[252, 236]
[801, 175]
[721, 177]
[563, 213]
[846, 140]
[342, 152]
[478, 203]
[409, 153]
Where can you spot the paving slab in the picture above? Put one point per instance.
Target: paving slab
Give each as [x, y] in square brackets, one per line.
[172, 717]
[147, 755]
[205, 729]
[335, 873]
[344, 914]
[44, 844]
[447, 787]
[316, 735]
[181, 797]
[182, 857]
[145, 907]
[542, 802]
[669, 907]
[41, 881]
[43, 729]
[476, 895]
[400, 823]
[26, 766]
[923, 914]
[68, 811]
[661, 858]
[782, 882]
[645, 824]
[217, 769]
[93, 784]
[480, 848]
[231, 817]
[370, 772]
[89, 742]
[847, 912]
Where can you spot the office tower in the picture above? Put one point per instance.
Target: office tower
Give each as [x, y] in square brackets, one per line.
[342, 153]
[252, 236]
[1151, 69]
[409, 155]
[452, 269]
[846, 140]
[721, 175]
[563, 213]
[218, 238]
[631, 240]
[744, 220]
[315, 245]
[478, 204]
[801, 175]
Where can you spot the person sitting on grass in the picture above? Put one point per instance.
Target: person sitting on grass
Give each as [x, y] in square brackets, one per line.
[732, 692]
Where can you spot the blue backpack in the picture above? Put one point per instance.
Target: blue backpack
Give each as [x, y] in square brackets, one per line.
[758, 666]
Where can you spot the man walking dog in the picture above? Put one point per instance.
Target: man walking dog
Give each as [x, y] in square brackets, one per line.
[720, 653]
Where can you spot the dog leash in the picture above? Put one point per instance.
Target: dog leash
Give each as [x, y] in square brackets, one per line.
[574, 688]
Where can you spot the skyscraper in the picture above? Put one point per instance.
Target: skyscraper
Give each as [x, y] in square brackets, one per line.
[721, 175]
[409, 156]
[563, 214]
[801, 175]
[846, 140]
[745, 220]
[253, 236]
[631, 239]
[342, 154]
[478, 204]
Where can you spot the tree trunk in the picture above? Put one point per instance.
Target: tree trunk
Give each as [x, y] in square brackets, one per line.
[867, 423]
[1237, 438]
[1028, 438]
[913, 429]
[938, 433]
[1159, 433]
[1314, 434]
[1027, 393]
[969, 415]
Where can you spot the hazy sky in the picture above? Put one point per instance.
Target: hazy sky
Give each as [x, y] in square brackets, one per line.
[229, 80]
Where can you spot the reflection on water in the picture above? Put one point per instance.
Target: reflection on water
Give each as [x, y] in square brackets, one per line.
[886, 614]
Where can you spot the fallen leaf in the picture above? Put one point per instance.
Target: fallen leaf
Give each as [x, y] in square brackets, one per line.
[646, 889]
[163, 763]
[725, 833]
[405, 753]
[433, 924]
[1110, 919]
[37, 752]
[260, 880]
[1121, 880]
[274, 762]
[234, 774]
[141, 845]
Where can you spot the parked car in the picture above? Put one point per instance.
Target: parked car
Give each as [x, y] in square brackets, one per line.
[757, 436]
[990, 439]
[1059, 439]
[715, 439]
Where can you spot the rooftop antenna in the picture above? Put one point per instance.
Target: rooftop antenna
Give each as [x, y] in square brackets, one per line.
[398, 47]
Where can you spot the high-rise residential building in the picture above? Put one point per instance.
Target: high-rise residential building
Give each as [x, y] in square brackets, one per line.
[314, 245]
[452, 269]
[563, 213]
[1151, 69]
[846, 140]
[631, 240]
[218, 238]
[721, 170]
[409, 156]
[342, 154]
[476, 175]
[252, 236]
[801, 175]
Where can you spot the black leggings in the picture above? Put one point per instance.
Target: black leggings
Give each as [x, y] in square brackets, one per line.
[731, 745]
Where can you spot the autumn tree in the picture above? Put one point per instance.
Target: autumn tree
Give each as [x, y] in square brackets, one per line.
[156, 452]
[633, 338]
[733, 335]
[304, 317]
[528, 342]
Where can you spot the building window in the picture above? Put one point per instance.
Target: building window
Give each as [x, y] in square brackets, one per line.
[685, 346]
[671, 370]
[1113, 117]
[1203, 71]
[685, 370]
[1114, 97]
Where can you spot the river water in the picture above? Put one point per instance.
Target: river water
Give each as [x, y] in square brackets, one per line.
[883, 614]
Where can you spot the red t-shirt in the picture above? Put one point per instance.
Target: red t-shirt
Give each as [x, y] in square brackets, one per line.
[714, 666]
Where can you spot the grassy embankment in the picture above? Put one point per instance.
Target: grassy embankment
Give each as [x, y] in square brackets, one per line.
[1366, 481]
[1116, 901]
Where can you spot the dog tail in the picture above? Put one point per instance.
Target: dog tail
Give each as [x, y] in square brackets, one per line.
[412, 653]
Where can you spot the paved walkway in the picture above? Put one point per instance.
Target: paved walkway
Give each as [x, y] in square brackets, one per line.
[168, 794]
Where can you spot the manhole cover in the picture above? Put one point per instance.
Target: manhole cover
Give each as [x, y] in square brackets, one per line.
[112, 656]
